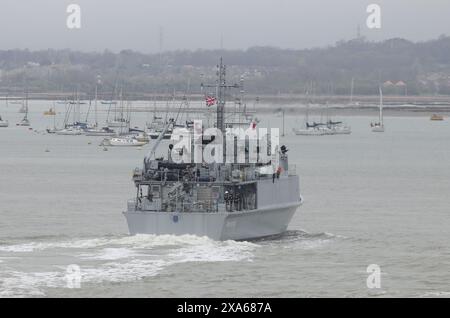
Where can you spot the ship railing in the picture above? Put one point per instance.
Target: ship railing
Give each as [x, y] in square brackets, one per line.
[200, 206]
[206, 206]
[167, 176]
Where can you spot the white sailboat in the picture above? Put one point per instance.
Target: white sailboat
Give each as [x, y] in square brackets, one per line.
[4, 123]
[77, 127]
[314, 129]
[96, 131]
[379, 126]
[104, 131]
[118, 121]
[22, 109]
[25, 122]
[69, 131]
[337, 127]
[157, 125]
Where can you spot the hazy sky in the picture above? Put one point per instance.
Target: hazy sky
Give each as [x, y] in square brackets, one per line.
[192, 24]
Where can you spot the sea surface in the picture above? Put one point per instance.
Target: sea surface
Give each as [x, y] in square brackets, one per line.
[370, 198]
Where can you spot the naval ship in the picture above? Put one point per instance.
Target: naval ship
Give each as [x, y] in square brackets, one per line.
[221, 200]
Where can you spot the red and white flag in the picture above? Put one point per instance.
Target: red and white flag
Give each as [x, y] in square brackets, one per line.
[210, 101]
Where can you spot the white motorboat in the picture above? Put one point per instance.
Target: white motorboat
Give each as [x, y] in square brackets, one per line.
[123, 142]
[108, 102]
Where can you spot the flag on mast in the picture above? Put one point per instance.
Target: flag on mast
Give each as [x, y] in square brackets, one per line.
[210, 101]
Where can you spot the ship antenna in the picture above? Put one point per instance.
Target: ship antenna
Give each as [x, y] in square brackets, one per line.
[221, 86]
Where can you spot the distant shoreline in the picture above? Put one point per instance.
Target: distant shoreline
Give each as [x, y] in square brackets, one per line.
[287, 99]
[290, 109]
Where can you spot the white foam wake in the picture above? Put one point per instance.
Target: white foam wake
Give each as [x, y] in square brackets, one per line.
[20, 284]
[436, 294]
[122, 259]
[303, 240]
[136, 241]
[111, 254]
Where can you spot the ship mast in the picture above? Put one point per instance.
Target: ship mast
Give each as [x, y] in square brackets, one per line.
[221, 87]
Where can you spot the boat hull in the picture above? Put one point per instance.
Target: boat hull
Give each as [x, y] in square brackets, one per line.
[125, 144]
[309, 132]
[99, 133]
[68, 133]
[378, 129]
[217, 226]
[345, 131]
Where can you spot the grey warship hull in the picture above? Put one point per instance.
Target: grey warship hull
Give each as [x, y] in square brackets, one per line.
[276, 203]
[218, 226]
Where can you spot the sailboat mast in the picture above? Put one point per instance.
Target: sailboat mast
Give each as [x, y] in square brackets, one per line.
[351, 90]
[95, 103]
[381, 107]
[307, 115]
[54, 116]
[26, 104]
[121, 104]
[78, 108]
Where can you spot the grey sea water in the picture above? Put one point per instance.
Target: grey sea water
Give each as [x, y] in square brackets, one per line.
[369, 199]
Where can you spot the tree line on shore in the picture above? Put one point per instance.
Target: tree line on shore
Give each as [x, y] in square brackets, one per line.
[401, 66]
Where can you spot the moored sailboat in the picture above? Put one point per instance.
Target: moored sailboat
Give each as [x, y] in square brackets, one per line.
[25, 121]
[379, 126]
